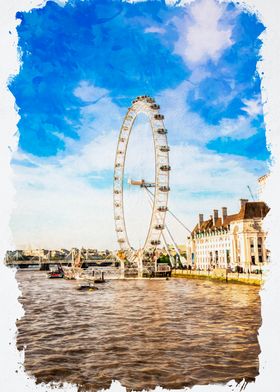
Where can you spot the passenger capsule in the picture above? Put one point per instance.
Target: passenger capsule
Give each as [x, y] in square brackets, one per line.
[162, 209]
[159, 116]
[162, 131]
[164, 148]
[165, 168]
[164, 188]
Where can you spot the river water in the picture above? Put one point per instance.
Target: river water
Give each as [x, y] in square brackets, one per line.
[144, 333]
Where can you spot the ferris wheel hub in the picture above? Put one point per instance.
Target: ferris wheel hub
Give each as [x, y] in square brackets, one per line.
[141, 183]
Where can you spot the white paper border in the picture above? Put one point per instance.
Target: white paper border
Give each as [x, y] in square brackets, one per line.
[12, 376]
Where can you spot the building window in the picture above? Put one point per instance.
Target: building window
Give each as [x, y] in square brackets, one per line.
[216, 256]
[260, 246]
[252, 245]
[227, 256]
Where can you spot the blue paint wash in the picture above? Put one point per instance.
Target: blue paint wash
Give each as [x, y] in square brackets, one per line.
[104, 43]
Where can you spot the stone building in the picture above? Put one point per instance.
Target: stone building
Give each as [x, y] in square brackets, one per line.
[230, 241]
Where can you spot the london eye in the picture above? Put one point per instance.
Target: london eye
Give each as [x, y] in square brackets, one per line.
[160, 184]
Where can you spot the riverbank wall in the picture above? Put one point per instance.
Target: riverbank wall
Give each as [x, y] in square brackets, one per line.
[221, 275]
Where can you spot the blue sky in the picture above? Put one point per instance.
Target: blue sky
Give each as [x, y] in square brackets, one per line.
[198, 60]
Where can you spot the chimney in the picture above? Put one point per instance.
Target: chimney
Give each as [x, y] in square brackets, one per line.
[224, 214]
[215, 216]
[243, 202]
[200, 220]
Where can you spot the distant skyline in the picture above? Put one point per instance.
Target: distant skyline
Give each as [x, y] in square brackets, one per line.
[83, 63]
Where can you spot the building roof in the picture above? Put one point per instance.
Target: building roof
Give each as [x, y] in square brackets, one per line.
[250, 210]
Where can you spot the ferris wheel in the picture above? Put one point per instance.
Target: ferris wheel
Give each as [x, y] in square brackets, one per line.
[159, 195]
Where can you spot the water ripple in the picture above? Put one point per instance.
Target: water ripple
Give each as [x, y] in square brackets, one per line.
[143, 333]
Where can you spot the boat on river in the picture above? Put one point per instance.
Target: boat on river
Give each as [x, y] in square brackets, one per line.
[56, 273]
[87, 287]
[101, 279]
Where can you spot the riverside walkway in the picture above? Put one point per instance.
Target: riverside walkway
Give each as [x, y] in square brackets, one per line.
[222, 275]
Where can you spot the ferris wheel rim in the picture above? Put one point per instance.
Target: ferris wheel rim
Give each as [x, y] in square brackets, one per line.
[146, 105]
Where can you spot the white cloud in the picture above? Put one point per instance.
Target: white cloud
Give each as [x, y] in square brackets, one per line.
[97, 155]
[56, 208]
[61, 211]
[89, 93]
[98, 117]
[154, 29]
[239, 128]
[253, 106]
[66, 200]
[196, 169]
[135, 1]
[188, 126]
[201, 36]
[182, 123]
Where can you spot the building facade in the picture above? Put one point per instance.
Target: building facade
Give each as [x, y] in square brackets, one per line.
[230, 241]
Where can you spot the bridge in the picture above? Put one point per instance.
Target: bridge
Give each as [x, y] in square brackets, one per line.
[17, 260]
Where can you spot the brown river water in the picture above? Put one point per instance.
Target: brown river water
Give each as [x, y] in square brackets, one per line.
[143, 333]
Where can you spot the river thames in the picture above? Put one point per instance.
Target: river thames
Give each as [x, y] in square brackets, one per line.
[143, 333]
